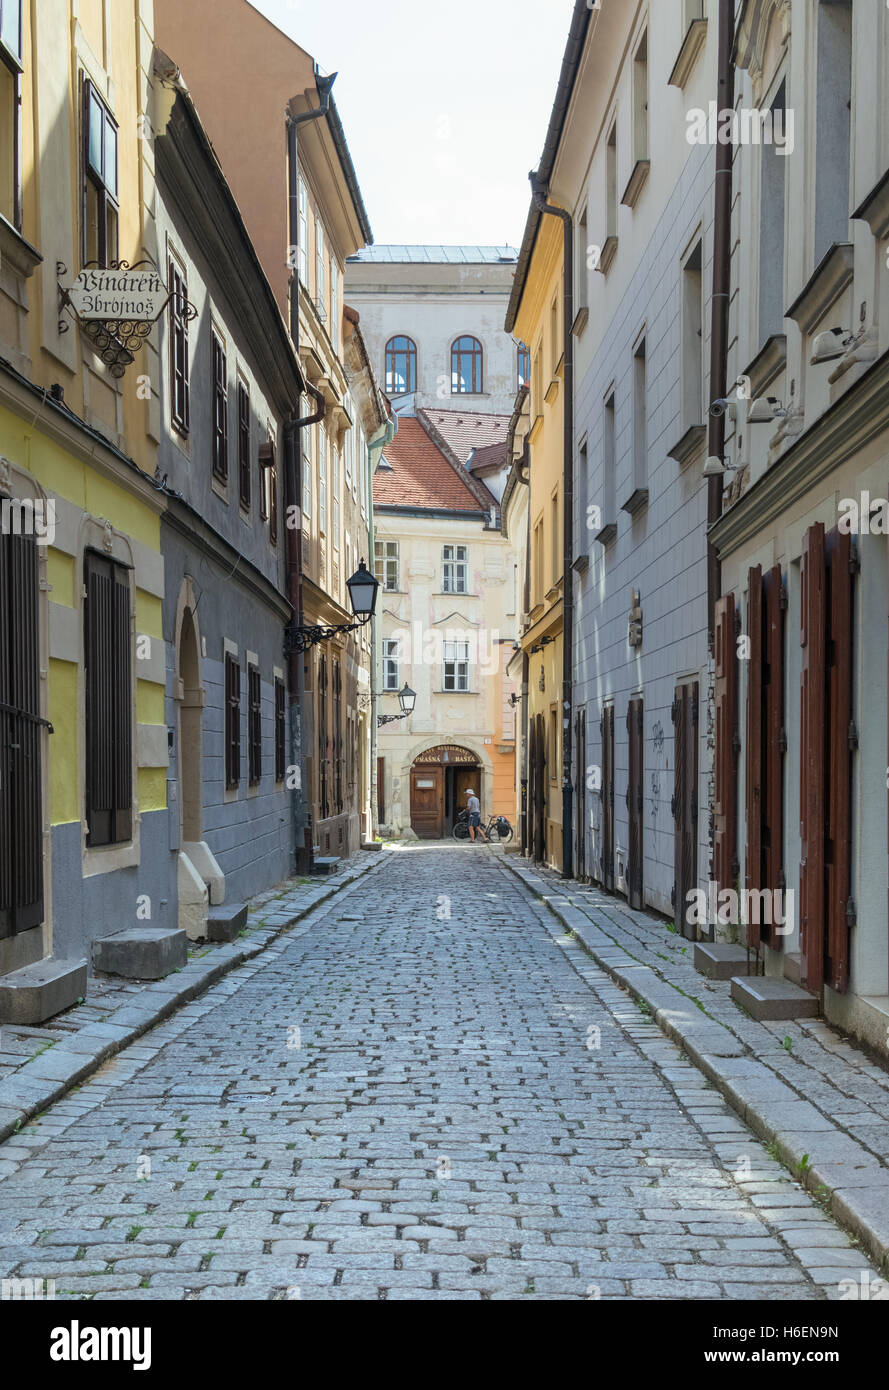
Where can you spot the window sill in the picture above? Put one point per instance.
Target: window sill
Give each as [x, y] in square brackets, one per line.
[607, 255]
[20, 254]
[638, 178]
[454, 593]
[824, 286]
[581, 318]
[637, 499]
[552, 391]
[455, 692]
[686, 447]
[691, 47]
[607, 534]
[768, 364]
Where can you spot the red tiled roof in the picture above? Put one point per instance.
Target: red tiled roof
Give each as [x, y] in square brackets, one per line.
[488, 456]
[465, 430]
[420, 475]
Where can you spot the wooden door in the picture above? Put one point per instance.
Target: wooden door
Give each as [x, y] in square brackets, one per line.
[381, 791]
[538, 807]
[635, 800]
[580, 866]
[685, 802]
[427, 802]
[464, 778]
[606, 725]
[726, 790]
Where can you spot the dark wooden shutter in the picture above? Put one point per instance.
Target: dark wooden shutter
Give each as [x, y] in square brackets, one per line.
[840, 735]
[813, 640]
[109, 731]
[635, 800]
[220, 412]
[754, 755]
[774, 745]
[273, 504]
[580, 801]
[254, 724]
[338, 736]
[685, 803]
[607, 730]
[21, 735]
[280, 730]
[726, 794]
[179, 402]
[243, 445]
[232, 721]
[323, 747]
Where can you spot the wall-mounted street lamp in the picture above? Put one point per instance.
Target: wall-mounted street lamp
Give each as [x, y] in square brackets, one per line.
[407, 698]
[543, 642]
[362, 588]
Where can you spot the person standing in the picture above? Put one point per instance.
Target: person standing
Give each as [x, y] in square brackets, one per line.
[473, 806]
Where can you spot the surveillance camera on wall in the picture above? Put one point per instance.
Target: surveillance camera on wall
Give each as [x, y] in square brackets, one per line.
[765, 409]
[830, 344]
[714, 467]
[724, 406]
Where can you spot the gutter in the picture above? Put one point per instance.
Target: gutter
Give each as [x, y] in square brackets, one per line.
[539, 192]
[381, 440]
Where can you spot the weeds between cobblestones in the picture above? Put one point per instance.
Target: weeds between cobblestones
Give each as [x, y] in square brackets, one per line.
[402, 1102]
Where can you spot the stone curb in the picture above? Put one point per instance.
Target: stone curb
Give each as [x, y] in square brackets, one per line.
[822, 1157]
[43, 1080]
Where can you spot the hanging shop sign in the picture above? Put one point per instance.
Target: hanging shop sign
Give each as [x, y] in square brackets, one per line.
[115, 307]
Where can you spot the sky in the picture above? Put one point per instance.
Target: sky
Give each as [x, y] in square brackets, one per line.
[445, 107]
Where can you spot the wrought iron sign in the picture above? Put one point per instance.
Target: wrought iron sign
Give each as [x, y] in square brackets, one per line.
[116, 307]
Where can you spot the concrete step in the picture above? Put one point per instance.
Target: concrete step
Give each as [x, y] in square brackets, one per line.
[36, 992]
[371, 844]
[141, 953]
[766, 999]
[719, 960]
[326, 864]
[224, 922]
[792, 967]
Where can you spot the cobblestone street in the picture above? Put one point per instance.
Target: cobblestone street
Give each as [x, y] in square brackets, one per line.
[423, 1091]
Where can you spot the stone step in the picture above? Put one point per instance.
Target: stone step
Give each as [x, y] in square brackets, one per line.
[792, 967]
[719, 960]
[36, 992]
[141, 953]
[767, 1000]
[224, 922]
[371, 844]
[325, 864]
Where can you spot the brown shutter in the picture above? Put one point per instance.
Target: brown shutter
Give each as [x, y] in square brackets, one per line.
[725, 825]
[109, 772]
[774, 746]
[838, 549]
[220, 412]
[812, 770]
[273, 504]
[607, 729]
[254, 724]
[232, 721]
[280, 730]
[178, 352]
[21, 735]
[243, 445]
[635, 801]
[753, 789]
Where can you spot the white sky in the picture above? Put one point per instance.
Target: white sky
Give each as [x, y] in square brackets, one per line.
[445, 107]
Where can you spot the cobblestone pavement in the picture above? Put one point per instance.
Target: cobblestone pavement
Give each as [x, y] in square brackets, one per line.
[419, 1093]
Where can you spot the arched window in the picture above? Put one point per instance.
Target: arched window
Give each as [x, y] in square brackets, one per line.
[524, 362]
[466, 366]
[401, 366]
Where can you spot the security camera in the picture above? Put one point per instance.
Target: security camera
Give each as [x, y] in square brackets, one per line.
[724, 406]
[765, 409]
[830, 344]
[714, 467]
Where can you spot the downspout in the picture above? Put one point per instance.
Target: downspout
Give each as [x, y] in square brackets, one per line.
[379, 442]
[302, 839]
[539, 193]
[522, 467]
[719, 309]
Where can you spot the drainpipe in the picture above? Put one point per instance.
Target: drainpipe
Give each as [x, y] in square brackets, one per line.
[523, 474]
[539, 194]
[380, 441]
[719, 309]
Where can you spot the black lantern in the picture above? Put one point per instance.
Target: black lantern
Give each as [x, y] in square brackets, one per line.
[363, 588]
[407, 698]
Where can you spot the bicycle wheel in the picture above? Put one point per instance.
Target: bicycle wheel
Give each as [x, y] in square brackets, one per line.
[496, 836]
[461, 830]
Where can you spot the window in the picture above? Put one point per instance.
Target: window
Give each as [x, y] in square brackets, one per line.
[392, 663]
[22, 737]
[336, 517]
[322, 480]
[109, 726]
[640, 101]
[466, 367]
[280, 730]
[692, 340]
[10, 120]
[363, 471]
[554, 758]
[232, 721]
[306, 439]
[244, 445]
[537, 386]
[179, 394]
[554, 344]
[100, 178]
[320, 286]
[609, 463]
[220, 412]
[640, 419]
[302, 250]
[582, 276]
[456, 665]
[524, 365]
[348, 452]
[401, 366]
[386, 564]
[254, 724]
[538, 562]
[833, 129]
[611, 184]
[771, 229]
[272, 472]
[334, 304]
[454, 569]
[555, 538]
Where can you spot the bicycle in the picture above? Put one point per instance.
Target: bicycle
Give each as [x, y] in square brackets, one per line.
[497, 831]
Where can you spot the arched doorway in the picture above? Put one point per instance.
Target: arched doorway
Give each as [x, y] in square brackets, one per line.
[190, 715]
[440, 777]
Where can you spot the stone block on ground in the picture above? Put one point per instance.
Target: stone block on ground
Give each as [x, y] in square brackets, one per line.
[719, 960]
[773, 1000]
[37, 992]
[141, 953]
[224, 922]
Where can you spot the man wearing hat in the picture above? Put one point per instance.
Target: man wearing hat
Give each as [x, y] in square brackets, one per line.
[473, 806]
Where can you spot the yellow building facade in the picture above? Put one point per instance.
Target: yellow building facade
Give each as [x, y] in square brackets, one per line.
[539, 324]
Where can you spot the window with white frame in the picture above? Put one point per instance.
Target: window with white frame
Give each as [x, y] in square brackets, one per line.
[348, 453]
[334, 304]
[456, 665]
[320, 284]
[386, 564]
[307, 433]
[302, 250]
[322, 480]
[363, 467]
[392, 663]
[454, 569]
